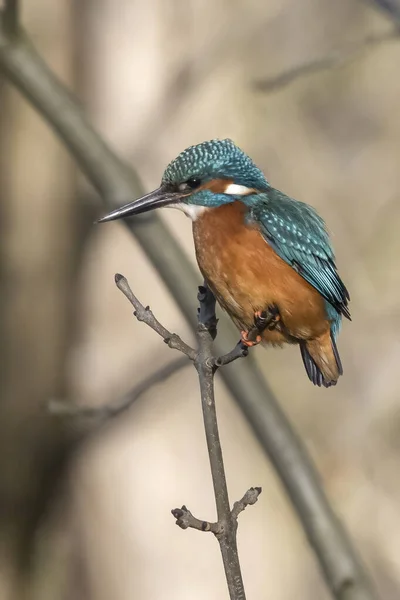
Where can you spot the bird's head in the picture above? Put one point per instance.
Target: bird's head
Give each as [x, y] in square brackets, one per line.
[204, 176]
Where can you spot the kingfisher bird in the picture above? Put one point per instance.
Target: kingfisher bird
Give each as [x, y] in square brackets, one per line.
[266, 257]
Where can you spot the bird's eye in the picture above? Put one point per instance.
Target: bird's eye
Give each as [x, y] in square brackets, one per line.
[193, 183]
[190, 184]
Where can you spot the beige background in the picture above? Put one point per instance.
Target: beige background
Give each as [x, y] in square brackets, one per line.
[156, 77]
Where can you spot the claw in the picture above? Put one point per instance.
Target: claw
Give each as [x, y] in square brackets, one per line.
[263, 319]
[249, 343]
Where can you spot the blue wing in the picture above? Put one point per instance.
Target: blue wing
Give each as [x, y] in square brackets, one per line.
[298, 235]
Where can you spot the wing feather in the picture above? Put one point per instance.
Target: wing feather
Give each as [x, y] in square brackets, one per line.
[299, 236]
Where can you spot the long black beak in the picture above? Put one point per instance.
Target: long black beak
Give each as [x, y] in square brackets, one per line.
[157, 199]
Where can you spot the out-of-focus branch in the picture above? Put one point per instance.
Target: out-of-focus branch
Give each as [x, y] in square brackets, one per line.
[391, 7]
[25, 68]
[9, 16]
[35, 451]
[336, 59]
[100, 414]
[116, 183]
[225, 528]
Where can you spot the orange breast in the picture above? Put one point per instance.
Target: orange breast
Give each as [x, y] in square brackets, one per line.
[247, 275]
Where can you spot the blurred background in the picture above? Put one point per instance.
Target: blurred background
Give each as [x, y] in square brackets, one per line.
[91, 520]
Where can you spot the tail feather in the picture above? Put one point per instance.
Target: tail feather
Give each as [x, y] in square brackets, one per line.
[321, 360]
[313, 372]
[336, 355]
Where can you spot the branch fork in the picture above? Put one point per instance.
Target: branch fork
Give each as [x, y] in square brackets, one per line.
[207, 323]
[185, 519]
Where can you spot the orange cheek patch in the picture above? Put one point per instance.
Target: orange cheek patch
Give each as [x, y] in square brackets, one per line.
[218, 186]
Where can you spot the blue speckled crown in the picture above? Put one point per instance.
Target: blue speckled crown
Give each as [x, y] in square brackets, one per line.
[214, 159]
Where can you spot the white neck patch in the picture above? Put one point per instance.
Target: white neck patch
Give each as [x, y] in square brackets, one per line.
[193, 211]
[238, 190]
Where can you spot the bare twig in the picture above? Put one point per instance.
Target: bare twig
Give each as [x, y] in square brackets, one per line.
[226, 526]
[116, 183]
[336, 59]
[185, 519]
[250, 498]
[113, 409]
[239, 351]
[145, 315]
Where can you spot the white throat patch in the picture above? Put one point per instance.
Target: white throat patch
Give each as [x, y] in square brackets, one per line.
[193, 211]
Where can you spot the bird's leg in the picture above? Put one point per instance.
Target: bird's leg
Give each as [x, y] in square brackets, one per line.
[267, 319]
[263, 319]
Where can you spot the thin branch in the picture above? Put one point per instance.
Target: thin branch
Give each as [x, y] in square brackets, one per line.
[9, 17]
[113, 409]
[239, 351]
[336, 59]
[227, 539]
[116, 183]
[206, 311]
[226, 526]
[145, 315]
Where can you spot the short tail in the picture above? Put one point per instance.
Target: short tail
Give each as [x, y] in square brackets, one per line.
[321, 360]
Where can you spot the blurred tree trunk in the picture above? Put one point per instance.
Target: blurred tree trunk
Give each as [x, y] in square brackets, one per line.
[38, 241]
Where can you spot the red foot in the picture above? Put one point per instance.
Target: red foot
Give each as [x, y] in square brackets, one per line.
[249, 343]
